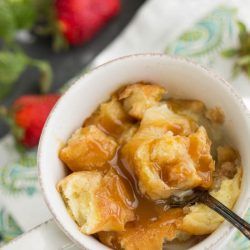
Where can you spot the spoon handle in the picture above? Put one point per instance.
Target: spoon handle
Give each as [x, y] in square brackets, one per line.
[228, 214]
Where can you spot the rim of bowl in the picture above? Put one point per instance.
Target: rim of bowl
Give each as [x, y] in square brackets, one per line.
[75, 81]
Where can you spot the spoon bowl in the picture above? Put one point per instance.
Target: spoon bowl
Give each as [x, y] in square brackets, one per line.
[202, 196]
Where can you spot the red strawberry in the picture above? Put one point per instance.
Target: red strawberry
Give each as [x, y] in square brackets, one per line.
[79, 20]
[29, 114]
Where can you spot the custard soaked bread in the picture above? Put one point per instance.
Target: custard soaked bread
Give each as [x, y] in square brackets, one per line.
[88, 149]
[167, 156]
[97, 201]
[137, 98]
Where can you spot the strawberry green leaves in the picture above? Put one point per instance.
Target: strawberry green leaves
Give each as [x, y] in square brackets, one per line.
[45, 74]
[24, 12]
[13, 64]
[7, 22]
[17, 15]
[11, 67]
[242, 53]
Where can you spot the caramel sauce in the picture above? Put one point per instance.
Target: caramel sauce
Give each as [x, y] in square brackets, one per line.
[145, 209]
[153, 219]
[153, 222]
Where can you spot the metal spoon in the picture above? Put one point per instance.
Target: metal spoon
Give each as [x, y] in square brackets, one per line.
[205, 198]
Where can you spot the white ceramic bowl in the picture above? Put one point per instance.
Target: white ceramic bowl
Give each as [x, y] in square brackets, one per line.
[182, 79]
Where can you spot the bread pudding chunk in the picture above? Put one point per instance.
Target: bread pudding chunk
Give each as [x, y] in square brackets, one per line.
[137, 98]
[164, 120]
[166, 160]
[110, 118]
[97, 201]
[88, 149]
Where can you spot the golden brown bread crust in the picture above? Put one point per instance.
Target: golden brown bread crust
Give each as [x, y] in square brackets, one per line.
[137, 98]
[88, 149]
[215, 115]
[162, 118]
[187, 107]
[97, 201]
[111, 118]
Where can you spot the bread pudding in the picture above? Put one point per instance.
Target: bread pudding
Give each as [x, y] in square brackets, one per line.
[132, 154]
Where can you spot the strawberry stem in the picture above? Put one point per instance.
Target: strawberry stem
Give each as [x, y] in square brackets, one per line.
[5, 115]
[59, 42]
[3, 112]
[45, 74]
